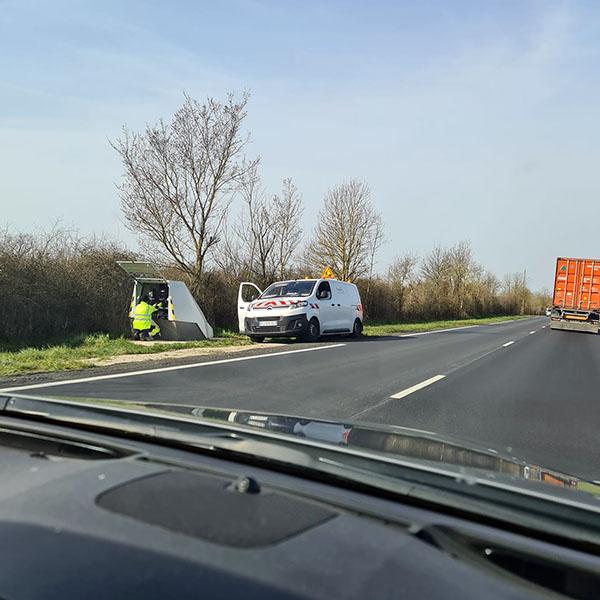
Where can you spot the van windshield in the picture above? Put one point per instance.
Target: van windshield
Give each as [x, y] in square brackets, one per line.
[303, 287]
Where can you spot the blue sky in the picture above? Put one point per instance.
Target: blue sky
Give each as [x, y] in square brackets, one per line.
[470, 120]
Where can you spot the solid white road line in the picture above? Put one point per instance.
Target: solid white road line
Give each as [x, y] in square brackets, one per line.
[507, 344]
[416, 388]
[464, 327]
[438, 331]
[164, 369]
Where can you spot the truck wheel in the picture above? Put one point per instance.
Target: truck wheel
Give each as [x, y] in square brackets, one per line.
[312, 331]
[357, 329]
[258, 339]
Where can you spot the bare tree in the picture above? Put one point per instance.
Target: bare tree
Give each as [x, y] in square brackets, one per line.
[256, 229]
[179, 178]
[348, 232]
[264, 241]
[461, 269]
[377, 240]
[516, 294]
[401, 274]
[288, 209]
[435, 269]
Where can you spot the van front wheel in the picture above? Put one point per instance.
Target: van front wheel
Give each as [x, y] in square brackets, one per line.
[312, 331]
[357, 328]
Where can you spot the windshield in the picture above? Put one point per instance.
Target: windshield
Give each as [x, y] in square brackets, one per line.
[380, 214]
[289, 288]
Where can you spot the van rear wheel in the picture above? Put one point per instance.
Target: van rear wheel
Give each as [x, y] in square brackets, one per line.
[357, 329]
[312, 331]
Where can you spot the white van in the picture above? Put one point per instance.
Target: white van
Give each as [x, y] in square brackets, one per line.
[300, 308]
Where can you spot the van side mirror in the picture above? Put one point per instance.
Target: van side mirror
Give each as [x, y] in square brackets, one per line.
[324, 295]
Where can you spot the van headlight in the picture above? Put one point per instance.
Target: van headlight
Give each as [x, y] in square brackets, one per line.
[301, 304]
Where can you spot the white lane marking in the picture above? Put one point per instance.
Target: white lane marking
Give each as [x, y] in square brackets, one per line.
[164, 369]
[438, 331]
[464, 327]
[543, 327]
[507, 344]
[417, 387]
[492, 450]
[531, 332]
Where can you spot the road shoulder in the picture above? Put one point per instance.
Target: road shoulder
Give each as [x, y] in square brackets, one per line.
[132, 362]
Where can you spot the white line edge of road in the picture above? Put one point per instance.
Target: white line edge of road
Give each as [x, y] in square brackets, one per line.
[437, 331]
[464, 327]
[508, 344]
[417, 387]
[164, 369]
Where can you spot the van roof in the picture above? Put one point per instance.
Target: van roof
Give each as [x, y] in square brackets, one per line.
[314, 279]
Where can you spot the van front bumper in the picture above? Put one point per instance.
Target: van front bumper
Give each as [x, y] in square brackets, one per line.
[286, 326]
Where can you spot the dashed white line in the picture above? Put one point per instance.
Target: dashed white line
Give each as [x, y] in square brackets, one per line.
[163, 369]
[417, 387]
[507, 344]
[531, 332]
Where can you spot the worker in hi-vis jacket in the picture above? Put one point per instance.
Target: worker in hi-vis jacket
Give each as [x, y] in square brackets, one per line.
[144, 327]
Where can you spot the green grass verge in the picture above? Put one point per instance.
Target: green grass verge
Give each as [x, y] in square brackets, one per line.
[391, 328]
[75, 352]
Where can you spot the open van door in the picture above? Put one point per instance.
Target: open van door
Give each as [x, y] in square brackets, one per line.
[142, 271]
[246, 294]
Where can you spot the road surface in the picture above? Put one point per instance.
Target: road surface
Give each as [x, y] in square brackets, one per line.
[515, 387]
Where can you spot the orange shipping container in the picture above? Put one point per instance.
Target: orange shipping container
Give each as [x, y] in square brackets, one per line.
[577, 283]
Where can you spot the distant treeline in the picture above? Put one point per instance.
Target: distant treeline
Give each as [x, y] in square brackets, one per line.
[58, 284]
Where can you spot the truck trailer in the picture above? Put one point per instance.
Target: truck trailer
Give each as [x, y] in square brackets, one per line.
[576, 298]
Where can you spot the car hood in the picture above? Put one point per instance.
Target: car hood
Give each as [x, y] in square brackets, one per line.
[411, 446]
[392, 440]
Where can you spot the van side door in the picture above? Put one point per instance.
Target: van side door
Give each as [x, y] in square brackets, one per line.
[246, 294]
[327, 312]
[343, 301]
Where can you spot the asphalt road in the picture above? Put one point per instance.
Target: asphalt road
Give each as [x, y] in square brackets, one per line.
[515, 387]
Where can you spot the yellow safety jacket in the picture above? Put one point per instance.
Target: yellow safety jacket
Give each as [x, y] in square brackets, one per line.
[142, 316]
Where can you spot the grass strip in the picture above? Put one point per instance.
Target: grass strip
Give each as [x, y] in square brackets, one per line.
[420, 326]
[76, 352]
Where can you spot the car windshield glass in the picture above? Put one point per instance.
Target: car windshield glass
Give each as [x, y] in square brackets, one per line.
[303, 287]
[368, 213]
